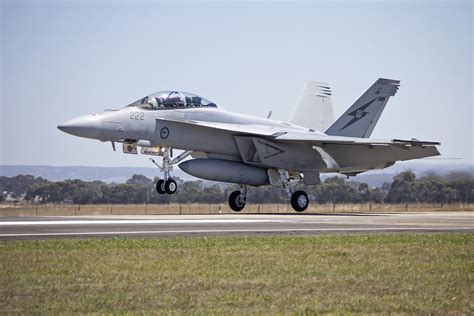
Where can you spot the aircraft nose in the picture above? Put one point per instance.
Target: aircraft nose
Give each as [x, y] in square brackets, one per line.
[88, 126]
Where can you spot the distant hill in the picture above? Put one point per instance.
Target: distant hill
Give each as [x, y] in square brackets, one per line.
[121, 174]
[378, 177]
[106, 174]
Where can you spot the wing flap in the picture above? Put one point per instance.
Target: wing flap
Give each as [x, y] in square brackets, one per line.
[327, 139]
[415, 142]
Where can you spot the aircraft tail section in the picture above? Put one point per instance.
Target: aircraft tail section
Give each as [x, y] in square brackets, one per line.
[362, 116]
[314, 108]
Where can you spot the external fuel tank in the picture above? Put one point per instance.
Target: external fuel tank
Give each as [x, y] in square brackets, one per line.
[225, 171]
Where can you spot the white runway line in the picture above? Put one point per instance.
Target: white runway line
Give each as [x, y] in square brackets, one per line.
[278, 230]
[136, 221]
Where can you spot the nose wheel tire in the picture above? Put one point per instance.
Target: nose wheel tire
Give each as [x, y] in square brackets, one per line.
[171, 186]
[236, 202]
[160, 186]
[299, 201]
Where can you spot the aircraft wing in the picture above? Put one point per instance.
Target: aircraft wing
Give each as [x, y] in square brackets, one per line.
[252, 129]
[328, 139]
[293, 149]
[280, 134]
[351, 155]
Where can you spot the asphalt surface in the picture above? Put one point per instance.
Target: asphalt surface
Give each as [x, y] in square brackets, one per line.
[234, 224]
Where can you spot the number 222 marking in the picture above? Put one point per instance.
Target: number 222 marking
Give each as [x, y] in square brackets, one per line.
[137, 116]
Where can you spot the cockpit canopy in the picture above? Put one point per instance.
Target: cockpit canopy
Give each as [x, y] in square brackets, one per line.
[172, 100]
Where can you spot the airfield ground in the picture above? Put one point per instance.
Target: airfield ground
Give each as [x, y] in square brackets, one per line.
[44, 227]
[193, 209]
[399, 273]
[373, 262]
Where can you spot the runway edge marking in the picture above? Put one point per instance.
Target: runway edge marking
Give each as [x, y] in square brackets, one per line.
[163, 232]
[136, 221]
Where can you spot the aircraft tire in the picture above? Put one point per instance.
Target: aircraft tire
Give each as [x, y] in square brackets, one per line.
[170, 186]
[235, 203]
[299, 201]
[160, 186]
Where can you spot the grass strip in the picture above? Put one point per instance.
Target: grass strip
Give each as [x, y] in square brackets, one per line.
[406, 273]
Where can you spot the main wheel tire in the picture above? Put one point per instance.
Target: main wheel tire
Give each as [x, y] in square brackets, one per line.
[299, 201]
[160, 186]
[171, 186]
[235, 201]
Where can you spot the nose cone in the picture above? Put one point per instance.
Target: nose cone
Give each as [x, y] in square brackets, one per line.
[88, 126]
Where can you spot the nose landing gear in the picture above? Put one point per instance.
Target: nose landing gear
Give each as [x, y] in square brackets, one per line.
[168, 185]
[171, 186]
[160, 186]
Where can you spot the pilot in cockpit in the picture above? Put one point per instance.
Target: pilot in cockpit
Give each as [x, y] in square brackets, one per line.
[151, 101]
[159, 103]
[172, 100]
[188, 101]
[197, 101]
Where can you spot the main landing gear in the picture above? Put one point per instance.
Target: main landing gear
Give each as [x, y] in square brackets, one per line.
[299, 199]
[167, 184]
[237, 199]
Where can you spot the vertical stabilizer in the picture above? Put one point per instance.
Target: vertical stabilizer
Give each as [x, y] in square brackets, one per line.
[362, 116]
[314, 108]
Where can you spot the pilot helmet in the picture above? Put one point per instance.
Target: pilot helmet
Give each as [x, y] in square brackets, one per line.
[152, 101]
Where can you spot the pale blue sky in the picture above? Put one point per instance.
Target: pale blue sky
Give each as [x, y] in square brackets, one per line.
[61, 59]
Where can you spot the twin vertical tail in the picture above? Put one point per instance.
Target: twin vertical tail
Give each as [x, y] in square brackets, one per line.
[314, 108]
[362, 116]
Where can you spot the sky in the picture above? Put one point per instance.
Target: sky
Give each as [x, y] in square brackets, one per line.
[61, 59]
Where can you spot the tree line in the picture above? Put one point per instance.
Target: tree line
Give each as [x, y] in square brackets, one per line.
[405, 188]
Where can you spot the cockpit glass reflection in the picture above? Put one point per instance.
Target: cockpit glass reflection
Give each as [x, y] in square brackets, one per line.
[172, 100]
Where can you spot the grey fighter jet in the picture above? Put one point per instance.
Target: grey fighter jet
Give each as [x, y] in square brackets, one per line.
[248, 150]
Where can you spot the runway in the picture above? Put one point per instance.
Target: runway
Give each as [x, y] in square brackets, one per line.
[234, 224]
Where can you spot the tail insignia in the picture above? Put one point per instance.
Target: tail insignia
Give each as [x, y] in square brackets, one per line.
[358, 114]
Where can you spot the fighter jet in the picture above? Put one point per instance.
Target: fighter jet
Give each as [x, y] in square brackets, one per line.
[254, 151]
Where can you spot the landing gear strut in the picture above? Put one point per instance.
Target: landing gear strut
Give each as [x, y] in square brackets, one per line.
[168, 185]
[299, 199]
[237, 199]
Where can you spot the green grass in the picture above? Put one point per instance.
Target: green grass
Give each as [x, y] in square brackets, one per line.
[237, 275]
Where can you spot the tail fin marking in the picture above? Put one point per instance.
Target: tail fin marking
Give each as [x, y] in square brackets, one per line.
[360, 119]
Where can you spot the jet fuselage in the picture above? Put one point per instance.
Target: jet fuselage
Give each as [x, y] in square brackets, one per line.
[248, 150]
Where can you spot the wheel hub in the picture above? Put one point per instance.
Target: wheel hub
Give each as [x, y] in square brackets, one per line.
[302, 201]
